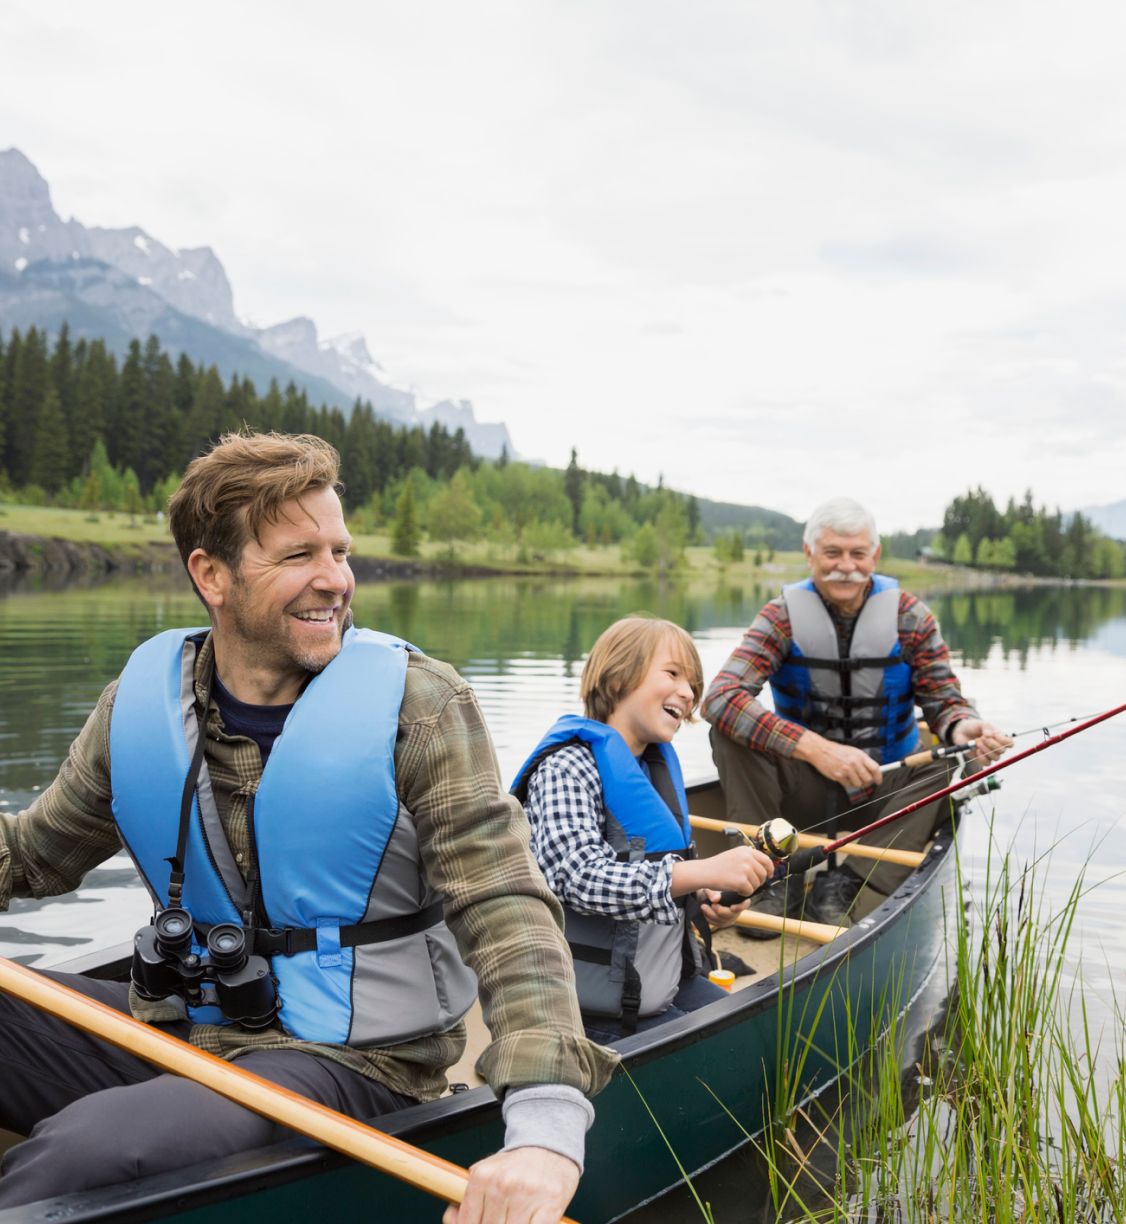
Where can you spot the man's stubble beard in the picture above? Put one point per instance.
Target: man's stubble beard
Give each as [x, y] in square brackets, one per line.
[261, 633]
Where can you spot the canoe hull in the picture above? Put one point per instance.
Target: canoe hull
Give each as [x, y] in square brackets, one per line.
[695, 1075]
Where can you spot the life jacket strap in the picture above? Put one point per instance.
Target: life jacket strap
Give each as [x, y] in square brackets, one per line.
[288, 941]
[631, 987]
[844, 666]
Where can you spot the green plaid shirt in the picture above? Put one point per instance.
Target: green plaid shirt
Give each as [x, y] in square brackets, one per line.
[473, 839]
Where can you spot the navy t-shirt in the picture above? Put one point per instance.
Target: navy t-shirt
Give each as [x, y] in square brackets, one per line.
[261, 723]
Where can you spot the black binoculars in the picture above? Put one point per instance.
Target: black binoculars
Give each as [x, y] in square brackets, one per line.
[164, 964]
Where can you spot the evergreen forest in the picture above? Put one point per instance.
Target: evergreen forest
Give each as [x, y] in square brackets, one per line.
[79, 429]
[1025, 538]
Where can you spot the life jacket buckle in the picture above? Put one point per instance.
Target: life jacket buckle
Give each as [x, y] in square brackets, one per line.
[275, 941]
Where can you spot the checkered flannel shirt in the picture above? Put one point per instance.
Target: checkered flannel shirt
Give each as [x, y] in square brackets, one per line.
[567, 815]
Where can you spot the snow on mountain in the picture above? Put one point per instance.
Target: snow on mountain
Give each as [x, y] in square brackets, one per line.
[129, 284]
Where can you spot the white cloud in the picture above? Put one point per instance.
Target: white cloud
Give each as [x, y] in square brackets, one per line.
[764, 250]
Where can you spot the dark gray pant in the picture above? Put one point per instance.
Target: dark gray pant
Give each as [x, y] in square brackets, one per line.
[759, 787]
[97, 1115]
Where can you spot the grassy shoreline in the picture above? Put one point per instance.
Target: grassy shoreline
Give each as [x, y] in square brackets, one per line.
[115, 540]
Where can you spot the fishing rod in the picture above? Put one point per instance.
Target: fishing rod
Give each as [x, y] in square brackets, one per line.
[806, 859]
[942, 752]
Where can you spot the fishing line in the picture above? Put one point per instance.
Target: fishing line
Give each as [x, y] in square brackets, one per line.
[922, 777]
[805, 859]
[1045, 728]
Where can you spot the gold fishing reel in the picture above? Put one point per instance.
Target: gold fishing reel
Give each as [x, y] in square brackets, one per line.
[776, 838]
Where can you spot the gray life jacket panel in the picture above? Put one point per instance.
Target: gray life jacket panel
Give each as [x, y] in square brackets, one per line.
[862, 695]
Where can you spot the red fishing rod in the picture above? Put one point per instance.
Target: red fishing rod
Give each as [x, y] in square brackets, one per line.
[805, 859]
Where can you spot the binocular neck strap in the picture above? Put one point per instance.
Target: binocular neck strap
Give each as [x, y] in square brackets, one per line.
[176, 878]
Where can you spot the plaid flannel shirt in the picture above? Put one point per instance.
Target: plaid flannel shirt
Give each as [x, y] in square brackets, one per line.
[473, 839]
[731, 703]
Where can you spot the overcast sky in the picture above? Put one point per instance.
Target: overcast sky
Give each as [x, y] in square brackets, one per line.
[771, 251]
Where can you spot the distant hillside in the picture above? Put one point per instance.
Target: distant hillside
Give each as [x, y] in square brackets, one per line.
[1110, 520]
[773, 528]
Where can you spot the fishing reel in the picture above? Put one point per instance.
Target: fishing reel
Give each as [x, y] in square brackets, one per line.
[776, 838]
[165, 963]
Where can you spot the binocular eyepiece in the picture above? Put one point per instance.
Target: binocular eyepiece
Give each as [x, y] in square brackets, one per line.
[164, 963]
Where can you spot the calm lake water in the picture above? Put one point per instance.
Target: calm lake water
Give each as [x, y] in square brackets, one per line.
[1028, 658]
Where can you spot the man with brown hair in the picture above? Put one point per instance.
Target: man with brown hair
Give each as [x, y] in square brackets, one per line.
[329, 797]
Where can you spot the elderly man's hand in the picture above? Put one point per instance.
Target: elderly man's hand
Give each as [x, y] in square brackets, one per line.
[852, 768]
[991, 743]
[527, 1185]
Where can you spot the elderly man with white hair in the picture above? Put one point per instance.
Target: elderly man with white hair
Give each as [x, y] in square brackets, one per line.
[848, 655]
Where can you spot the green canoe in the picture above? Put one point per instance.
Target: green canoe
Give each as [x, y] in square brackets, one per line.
[691, 1072]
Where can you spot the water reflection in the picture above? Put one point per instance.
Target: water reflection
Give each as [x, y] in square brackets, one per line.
[1024, 619]
[1024, 654]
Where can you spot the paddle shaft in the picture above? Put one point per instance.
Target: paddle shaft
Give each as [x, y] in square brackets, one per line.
[842, 842]
[417, 1168]
[816, 932]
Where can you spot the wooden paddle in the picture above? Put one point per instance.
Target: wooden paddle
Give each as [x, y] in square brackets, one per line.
[412, 1165]
[904, 858]
[816, 932]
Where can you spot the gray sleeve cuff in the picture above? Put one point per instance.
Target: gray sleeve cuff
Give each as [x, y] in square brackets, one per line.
[551, 1116]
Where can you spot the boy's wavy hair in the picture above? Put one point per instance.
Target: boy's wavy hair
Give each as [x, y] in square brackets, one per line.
[229, 493]
[618, 661]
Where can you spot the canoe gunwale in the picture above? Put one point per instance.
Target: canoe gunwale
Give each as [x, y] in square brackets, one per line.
[296, 1159]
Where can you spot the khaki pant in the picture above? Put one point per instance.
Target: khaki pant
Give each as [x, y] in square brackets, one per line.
[758, 787]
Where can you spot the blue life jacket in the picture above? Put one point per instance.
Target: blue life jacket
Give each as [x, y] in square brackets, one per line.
[646, 808]
[626, 969]
[864, 697]
[352, 929]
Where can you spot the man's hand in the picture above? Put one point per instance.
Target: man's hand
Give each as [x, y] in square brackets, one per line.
[852, 768]
[528, 1185]
[991, 743]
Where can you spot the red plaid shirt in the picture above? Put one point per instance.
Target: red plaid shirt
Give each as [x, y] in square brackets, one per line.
[731, 703]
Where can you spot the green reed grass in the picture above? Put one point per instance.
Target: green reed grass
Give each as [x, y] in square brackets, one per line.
[1003, 1120]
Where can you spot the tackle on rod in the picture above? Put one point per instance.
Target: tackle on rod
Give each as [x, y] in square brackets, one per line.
[941, 752]
[805, 860]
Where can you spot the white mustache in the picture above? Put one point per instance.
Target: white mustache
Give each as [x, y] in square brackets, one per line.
[837, 576]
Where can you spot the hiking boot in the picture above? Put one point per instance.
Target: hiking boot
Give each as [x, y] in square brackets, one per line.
[834, 895]
[783, 899]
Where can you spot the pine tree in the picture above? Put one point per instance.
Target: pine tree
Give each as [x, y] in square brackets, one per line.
[163, 431]
[95, 392]
[90, 499]
[50, 450]
[357, 469]
[126, 435]
[205, 418]
[406, 536]
[573, 486]
[28, 389]
[64, 376]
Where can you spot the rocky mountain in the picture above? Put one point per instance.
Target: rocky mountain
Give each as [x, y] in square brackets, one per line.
[121, 284]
